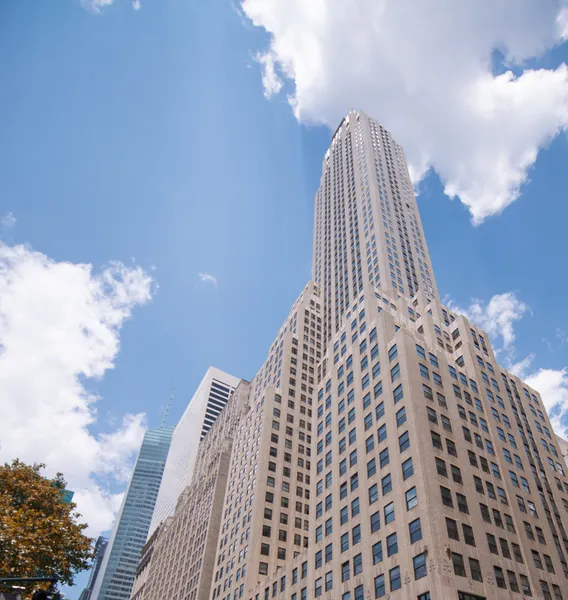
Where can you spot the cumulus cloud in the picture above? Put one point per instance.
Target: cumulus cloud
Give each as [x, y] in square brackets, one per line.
[497, 317]
[271, 83]
[8, 221]
[59, 327]
[97, 6]
[208, 278]
[552, 384]
[425, 70]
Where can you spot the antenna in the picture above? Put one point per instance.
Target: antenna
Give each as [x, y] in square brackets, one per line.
[168, 407]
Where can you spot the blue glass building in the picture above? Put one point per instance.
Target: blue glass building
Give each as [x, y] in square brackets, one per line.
[117, 572]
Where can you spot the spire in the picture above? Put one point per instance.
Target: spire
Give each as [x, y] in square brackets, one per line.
[168, 407]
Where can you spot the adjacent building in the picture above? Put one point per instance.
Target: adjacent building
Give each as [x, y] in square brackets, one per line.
[118, 568]
[100, 549]
[202, 411]
[381, 450]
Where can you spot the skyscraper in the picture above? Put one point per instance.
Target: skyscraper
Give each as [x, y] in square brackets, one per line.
[382, 450]
[207, 402]
[117, 572]
[100, 549]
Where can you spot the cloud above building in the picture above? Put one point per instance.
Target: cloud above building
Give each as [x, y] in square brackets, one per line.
[449, 79]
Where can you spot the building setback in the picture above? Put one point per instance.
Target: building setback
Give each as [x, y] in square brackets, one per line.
[118, 569]
[381, 449]
[201, 412]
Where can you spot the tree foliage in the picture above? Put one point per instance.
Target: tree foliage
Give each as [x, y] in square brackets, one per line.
[40, 535]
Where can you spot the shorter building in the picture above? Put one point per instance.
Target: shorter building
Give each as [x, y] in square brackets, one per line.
[208, 401]
[118, 570]
[100, 549]
[139, 587]
[67, 496]
[177, 561]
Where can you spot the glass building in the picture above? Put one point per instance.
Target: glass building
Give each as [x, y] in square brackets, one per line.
[116, 575]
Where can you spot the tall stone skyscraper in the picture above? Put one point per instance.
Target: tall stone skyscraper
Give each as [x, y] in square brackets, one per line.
[118, 568]
[381, 450]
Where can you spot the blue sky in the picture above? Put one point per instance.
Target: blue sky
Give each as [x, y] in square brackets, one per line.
[145, 137]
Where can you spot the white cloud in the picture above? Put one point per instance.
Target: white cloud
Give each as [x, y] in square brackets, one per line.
[97, 6]
[497, 317]
[552, 384]
[424, 69]
[562, 23]
[271, 83]
[208, 278]
[59, 327]
[8, 221]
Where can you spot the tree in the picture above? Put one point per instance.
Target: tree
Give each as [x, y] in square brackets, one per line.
[40, 535]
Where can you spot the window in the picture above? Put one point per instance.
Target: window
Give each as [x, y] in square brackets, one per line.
[386, 483]
[404, 441]
[395, 372]
[329, 580]
[373, 494]
[377, 552]
[441, 467]
[394, 577]
[415, 531]
[407, 469]
[446, 497]
[398, 393]
[452, 529]
[492, 544]
[512, 578]
[468, 535]
[382, 433]
[375, 521]
[419, 562]
[392, 544]
[357, 564]
[401, 417]
[393, 353]
[459, 566]
[411, 499]
[379, 586]
[345, 571]
[436, 440]
[319, 587]
[499, 577]
[389, 512]
[462, 503]
[475, 568]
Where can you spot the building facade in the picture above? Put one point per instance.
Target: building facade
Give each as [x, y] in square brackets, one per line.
[384, 452]
[201, 412]
[100, 549]
[118, 568]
